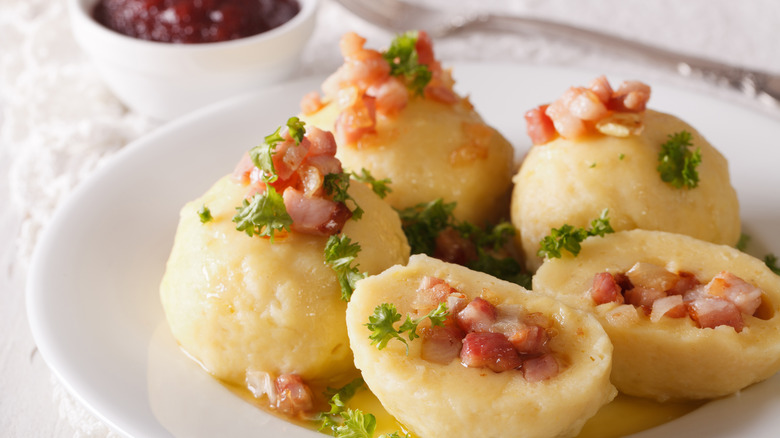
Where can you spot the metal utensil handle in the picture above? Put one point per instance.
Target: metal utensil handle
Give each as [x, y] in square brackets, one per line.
[760, 85]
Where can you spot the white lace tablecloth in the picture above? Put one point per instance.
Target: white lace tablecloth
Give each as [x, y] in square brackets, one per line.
[58, 123]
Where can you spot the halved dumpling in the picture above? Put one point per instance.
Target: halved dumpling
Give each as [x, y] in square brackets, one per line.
[722, 335]
[438, 396]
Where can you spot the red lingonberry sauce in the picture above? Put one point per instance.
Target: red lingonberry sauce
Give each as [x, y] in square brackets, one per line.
[193, 21]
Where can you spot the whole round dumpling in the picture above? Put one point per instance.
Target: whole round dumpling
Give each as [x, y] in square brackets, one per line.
[430, 142]
[432, 393]
[239, 303]
[688, 319]
[572, 180]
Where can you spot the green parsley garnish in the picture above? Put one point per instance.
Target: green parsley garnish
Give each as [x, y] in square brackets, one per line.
[205, 214]
[404, 63]
[382, 322]
[676, 163]
[569, 238]
[262, 155]
[264, 215]
[743, 242]
[380, 186]
[771, 262]
[340, 252]
[336, 185]
[423, 223]
[338, 399]
[621, 156]
[356, 425]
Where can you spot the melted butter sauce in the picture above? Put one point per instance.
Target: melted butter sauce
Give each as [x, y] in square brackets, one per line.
[623, 416]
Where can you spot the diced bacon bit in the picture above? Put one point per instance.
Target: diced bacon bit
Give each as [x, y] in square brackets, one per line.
[714, 312]
[579, 110]
[605, 289]
[539, 125]
[540, 368]
[659, 293]
[482, 337]
[365, 75]
[317, 216]
[643, 297]
[301, 171]
[491, 350]
[441, 344]
[287, 393]
[311, 103]
[478, 316]
[744, 295]
[530, 340]
[451, 247]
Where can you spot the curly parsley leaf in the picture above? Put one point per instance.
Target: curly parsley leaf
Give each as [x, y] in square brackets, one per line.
[264, 215]
[262, 155]
[380, 186]
[676, 163]
[205, 214]
[336, 186]
[404, 63]
[338, 399]
[340, 253]
[423, 222]
[771, 262]
[569, 238]
[382, 324]
[356, 425]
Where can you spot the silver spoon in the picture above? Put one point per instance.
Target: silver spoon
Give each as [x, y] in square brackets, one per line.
[400, 16]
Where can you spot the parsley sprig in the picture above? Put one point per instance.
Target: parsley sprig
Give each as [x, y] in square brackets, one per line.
[423, 222]
[205, 214]
[382, 324]
[262, 155]
[350, 423]
[380, 186]
[336, 186]
[771, 262]
[676, 163]
[264, 215]
[404, 63]
[340, 253]
[569, 238]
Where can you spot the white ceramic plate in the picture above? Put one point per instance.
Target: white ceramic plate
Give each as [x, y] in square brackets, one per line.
[93, 300]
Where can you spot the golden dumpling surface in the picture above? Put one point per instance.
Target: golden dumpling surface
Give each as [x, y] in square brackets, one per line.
[672, 358]
[433, 150]
[572, 182]
[435, 400]
[235, 302]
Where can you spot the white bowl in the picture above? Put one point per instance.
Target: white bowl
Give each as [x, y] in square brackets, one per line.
[165, 80]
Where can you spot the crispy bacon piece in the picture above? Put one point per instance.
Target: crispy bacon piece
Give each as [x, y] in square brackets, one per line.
[713, 312]
[540, 368]
[318, 216]
[728, 286]
[287, 393]
[478, 316]
[491, 350]
[530, 340]
[671, 306]
[580, 111]
[605, 289]
[453, 248]
[643, 297]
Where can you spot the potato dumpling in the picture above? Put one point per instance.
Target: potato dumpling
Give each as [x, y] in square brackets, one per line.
[236, 302]
[433, 150]
[572, 182]
[672, 357]
[451, 400]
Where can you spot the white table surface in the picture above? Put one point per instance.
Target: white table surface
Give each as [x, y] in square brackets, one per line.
[58, 123]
